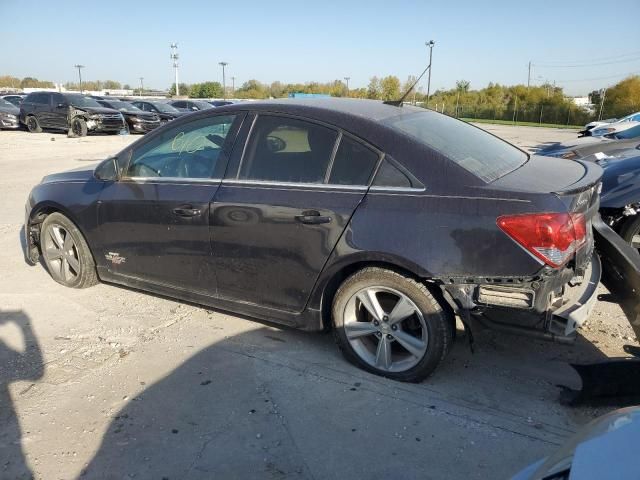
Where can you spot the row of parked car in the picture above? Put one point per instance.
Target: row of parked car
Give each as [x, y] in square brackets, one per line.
[81, 114]
[615, 146]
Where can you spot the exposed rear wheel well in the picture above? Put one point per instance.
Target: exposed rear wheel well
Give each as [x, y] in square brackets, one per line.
[339, 277]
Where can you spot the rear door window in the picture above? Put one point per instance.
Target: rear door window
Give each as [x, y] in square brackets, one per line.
[353, 164]
[475, 150]
[283, 149]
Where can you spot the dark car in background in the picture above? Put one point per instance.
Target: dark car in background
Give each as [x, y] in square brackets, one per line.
[220, 103]
[9, 115]
[14, 99]
[163, 110]
[620, 201]
[75, 113]
[584, 146]
[381, 222]
[137, 120]
[190, 105]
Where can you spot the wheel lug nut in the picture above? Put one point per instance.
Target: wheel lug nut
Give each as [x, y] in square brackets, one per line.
[385, 318]
[394, 327]
[376, 323]
[390, 337]
[378, 334]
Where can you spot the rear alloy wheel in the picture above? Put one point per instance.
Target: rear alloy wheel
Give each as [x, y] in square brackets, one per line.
[631, 232]
[32, 124]
[391, 325]
[66, 253]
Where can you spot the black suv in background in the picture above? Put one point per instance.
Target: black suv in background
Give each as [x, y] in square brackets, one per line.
[75, 113]
[137, 120]
[165, 111]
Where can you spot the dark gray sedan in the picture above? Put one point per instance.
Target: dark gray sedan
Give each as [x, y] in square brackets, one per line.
[378, 221]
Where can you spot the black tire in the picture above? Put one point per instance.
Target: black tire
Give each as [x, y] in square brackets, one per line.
[439, 325]
[78, 128]
[630, 229]
[33, 125]
[81, 273]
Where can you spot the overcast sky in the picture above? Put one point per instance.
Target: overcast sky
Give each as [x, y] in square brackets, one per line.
[582, 45]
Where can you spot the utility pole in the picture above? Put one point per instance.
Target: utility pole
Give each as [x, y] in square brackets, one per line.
[79, 67]
[346, 79]
[604, 93]
[224, 81]
[233, 86]
[429, 44]
[141, 85]
[529, 76]
[174, 57]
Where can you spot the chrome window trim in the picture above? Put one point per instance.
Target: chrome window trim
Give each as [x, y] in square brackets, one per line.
[380, 188]
[311, 186]
[182, 180]
[336, 146]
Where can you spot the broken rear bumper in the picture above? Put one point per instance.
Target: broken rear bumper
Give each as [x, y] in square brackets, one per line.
[580, 299]
[555, 303]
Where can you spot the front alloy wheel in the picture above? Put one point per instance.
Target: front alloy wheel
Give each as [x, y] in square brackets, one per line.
[66, 253]
[61, 253]
[391, 325]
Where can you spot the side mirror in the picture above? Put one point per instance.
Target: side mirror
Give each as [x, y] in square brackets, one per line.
[194, 108]
[107, 171]
[62, 105]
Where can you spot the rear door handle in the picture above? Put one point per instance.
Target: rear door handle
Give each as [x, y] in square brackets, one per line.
[312, 217]
[187, 211]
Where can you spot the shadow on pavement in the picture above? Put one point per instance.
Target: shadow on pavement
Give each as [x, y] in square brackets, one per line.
[15, 366]
[283, 404]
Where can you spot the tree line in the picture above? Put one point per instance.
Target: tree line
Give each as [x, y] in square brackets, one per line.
[545, 103]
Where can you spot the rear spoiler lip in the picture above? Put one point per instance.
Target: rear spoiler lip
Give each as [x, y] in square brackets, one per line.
[592, 176]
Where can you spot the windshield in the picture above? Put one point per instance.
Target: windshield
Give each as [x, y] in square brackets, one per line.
[4, 103]
[475, 150]
[632, 132]
[82, 101]
[202, 105]
[123, 106]
[165, 107]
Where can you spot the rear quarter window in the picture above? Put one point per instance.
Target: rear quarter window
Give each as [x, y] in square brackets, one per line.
[475, 150]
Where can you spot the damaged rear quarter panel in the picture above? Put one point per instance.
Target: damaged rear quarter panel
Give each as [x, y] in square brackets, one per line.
[446, 236]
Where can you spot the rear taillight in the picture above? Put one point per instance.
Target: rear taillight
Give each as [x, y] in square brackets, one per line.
[552, 237]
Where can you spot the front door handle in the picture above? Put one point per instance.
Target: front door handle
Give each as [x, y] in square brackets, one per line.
[312, 217]
[186, 211]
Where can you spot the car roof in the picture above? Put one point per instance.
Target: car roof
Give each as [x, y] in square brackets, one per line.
[367, 109]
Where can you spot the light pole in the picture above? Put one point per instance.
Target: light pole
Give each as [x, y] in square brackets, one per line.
[79, 67]
[141, 85]
[604, 93]
[429, 44]
[233, 86]
[174, 57]
[224, 80]
[346, 79]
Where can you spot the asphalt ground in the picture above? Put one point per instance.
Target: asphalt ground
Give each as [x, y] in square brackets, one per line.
[113, 383]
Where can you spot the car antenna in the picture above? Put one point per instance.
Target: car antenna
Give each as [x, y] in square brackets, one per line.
[398, 103]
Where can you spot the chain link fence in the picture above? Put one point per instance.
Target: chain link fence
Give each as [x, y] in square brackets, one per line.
[541, 113]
